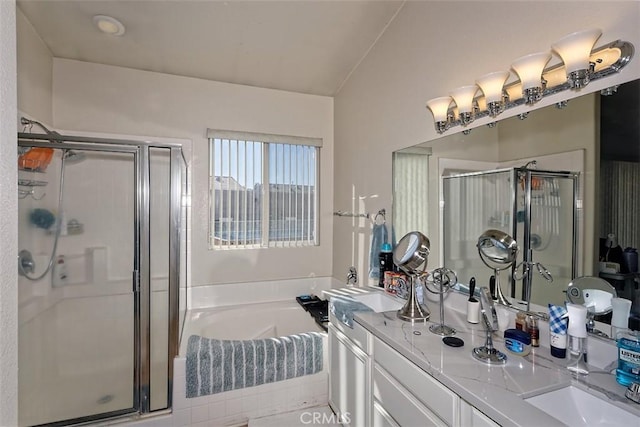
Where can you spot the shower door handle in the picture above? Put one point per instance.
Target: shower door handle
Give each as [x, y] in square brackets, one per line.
[136, 281]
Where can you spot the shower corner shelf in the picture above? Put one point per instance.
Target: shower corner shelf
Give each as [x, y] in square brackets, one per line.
[31, 183]
[73, 229]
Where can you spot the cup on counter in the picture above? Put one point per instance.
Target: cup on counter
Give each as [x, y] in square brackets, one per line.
[620, 317]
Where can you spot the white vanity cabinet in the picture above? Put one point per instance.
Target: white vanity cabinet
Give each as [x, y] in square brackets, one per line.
[349, 378]
[410, 396]
[372, 384]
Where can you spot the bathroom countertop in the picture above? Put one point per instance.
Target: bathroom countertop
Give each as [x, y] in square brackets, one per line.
[497, 391]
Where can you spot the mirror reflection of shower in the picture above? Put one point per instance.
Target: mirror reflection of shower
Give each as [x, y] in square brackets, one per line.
[37, 160]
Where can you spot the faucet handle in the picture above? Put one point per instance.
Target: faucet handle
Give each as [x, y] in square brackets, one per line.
[633, 392]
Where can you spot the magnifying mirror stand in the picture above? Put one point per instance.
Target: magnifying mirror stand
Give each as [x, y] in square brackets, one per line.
[487, 353]
[413, 310]
[499, 295]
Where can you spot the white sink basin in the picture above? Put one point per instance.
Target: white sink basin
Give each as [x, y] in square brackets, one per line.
[379, 302]
[575, 407]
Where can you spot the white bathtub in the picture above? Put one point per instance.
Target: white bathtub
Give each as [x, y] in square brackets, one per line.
[250, 321]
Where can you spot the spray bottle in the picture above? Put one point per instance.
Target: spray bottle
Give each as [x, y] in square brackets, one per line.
[577, 332]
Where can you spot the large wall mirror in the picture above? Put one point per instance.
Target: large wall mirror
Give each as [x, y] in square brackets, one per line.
[595, 135]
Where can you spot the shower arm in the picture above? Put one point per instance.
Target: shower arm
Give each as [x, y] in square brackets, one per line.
[28, 122]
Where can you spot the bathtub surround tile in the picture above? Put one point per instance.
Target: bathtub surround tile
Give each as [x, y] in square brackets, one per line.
[234, 406]
[199, 413]
[217, 410]
[181, 418]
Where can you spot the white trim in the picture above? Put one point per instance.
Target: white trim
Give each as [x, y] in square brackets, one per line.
[263, 137]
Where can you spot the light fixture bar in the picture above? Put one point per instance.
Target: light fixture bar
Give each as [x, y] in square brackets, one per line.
[598, 56]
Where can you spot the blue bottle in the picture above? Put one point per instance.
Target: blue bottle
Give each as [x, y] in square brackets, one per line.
[628, 357]
[385, 261]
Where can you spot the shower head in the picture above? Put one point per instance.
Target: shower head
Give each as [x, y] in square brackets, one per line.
[72, 157]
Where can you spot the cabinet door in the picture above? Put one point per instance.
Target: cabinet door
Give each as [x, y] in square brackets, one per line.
[471, 417]
[348, 380]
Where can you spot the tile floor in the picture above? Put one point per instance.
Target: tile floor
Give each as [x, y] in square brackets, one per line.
[319, 415]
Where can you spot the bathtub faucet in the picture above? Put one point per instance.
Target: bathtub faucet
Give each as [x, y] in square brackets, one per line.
[352, 276]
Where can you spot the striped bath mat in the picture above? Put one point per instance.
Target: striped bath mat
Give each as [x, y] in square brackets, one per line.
[215, 366]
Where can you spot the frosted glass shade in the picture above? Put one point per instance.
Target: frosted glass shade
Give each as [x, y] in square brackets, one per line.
[463, 97]
[529, 69]
[491, 85]
[439, 108]
[575, 49]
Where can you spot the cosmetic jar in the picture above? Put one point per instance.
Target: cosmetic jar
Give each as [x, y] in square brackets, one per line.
[517, 342]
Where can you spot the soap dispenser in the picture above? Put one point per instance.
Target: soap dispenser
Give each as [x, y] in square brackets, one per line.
[577, 332]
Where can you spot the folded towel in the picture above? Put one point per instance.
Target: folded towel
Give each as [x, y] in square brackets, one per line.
[378, 237]
[215, 366]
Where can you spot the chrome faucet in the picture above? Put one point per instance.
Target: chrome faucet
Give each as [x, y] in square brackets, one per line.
[352, 277]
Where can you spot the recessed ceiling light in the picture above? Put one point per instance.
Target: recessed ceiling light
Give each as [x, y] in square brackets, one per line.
[109, 25]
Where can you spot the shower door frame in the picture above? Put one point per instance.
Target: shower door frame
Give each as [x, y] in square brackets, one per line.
[141, 275]
[528, 175]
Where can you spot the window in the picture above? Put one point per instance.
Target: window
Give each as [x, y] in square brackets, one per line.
[263, 190]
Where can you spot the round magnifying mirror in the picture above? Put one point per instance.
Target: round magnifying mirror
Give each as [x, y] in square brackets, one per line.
[592, 292]
[497, 249]
[411, 252]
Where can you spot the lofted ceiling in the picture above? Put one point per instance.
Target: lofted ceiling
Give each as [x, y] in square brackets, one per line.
[306, 46]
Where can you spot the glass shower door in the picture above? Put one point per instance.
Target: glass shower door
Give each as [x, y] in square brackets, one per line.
[550, 238]
[76, 321]
[474, 203]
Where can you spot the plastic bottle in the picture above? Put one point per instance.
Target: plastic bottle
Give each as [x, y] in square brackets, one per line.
[386, 262]
[534, 331]
[628, 357]
[577, 332]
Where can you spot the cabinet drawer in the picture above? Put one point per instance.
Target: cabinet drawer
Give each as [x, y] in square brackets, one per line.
[401, 405]
[435, 396]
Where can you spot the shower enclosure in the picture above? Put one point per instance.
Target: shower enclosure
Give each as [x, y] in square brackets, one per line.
[539, 209]
[102, 263]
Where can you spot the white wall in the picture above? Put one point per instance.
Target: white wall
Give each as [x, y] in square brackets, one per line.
[35, 78]
[573, 128]
[92, 97]
[428, 50]
[9, 218]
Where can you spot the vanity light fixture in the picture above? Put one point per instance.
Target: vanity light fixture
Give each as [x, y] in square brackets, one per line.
[109, 25]
[602, 61]
[491, 86]
[440, 109]
[529, 69]
[463, 97]
[575, 51]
